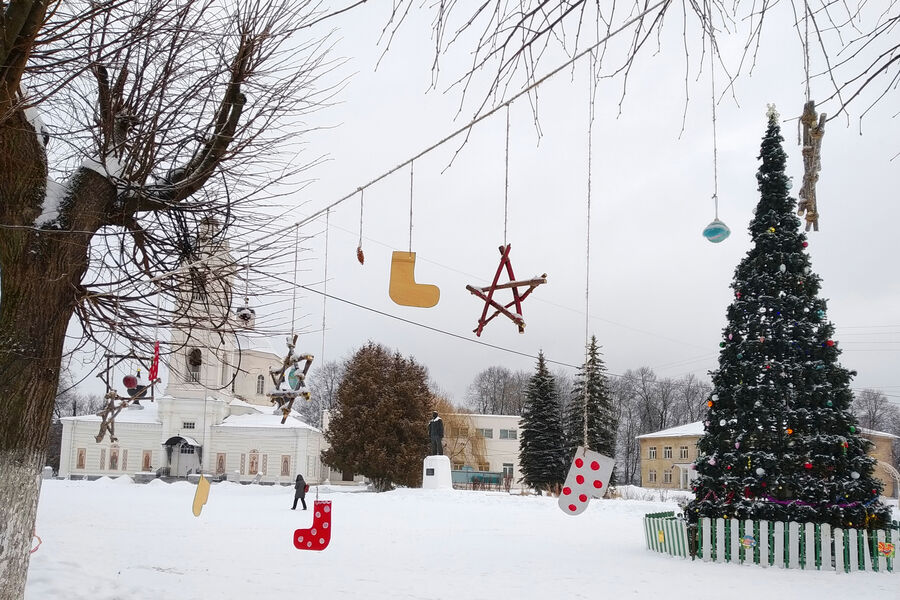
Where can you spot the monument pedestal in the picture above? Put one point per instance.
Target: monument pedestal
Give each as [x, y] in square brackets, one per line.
[436, 473]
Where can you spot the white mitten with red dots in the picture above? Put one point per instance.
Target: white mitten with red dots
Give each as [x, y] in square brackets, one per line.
[588, 477]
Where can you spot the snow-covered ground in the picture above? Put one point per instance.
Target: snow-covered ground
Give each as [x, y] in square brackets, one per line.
[112, 539]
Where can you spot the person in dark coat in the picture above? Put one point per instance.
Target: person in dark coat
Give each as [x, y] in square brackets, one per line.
[299, 492]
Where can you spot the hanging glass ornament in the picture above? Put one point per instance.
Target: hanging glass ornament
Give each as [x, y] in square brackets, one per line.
[854, 475]
[760, 471]
[782, 268]
[716, 231]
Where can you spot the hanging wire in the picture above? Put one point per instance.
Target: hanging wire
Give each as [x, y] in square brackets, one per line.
[506, 179]
[712, 78]
[592, 91]
[410, 204]
[361, 192]
[806, 44]
[325, 295]
[247, 278]
[294, 287]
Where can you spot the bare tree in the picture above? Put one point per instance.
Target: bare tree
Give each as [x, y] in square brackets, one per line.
[875, 411]
[497, 391]
[133, 136]
[324, 382]
[517, 43]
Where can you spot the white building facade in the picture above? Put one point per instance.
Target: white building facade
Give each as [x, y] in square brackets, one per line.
[214, 417]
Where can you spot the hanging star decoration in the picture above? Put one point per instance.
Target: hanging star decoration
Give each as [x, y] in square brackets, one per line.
[487, 294]
[295, 378]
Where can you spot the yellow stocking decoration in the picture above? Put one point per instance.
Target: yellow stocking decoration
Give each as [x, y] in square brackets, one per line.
[201, 495]
[403, 287]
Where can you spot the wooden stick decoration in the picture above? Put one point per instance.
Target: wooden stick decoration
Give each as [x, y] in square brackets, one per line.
[813, 131]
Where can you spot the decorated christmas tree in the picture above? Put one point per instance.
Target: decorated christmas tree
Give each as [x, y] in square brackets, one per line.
[591, 385]
[542, 451]
[780, 441]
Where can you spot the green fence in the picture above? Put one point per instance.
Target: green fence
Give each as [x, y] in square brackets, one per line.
[812, 546]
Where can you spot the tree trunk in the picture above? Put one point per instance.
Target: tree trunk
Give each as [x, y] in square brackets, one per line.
[34, 313]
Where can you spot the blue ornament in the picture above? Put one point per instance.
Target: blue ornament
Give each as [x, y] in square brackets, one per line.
[820, 313]
[716, 232]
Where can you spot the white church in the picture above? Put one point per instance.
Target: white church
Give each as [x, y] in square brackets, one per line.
[214, 417]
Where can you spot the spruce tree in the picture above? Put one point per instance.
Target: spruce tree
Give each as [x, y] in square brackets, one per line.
[601, 419]
[780, 441]
[379, 424]
[542, 451]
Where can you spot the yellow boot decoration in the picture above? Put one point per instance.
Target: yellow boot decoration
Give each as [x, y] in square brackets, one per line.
[201, 495]
[403, 287]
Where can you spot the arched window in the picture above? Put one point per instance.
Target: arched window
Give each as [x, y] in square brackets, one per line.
[260, 385]
[194, 360]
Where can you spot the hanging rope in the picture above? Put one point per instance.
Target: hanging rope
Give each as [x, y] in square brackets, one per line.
[410, 204]
[592, 92]
[359, 251]
[294, 287]
[325, 295]
[806, 44]
[247, 278]
[506, 178]
[712, 79]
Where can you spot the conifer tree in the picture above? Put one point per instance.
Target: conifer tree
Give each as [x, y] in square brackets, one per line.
[591, 384]
[780, 441]
[379, 425]
[542, 451]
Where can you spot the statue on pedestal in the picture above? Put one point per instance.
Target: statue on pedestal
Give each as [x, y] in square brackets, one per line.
[436, 435]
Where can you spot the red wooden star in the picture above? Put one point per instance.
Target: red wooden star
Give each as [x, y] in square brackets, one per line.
[487, 294]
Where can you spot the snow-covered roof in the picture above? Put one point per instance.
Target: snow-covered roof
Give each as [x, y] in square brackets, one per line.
[248, 343]
[865, 431]
[695, 429]
[130, 414]
[245, 404]
[265, 420]
[690, 429]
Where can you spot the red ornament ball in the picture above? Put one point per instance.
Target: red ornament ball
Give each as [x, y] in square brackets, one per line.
[805, 244]
[808, 465]
[829, 343]
[130, 381]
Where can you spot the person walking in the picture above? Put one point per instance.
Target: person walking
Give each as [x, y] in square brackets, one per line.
[299, 492]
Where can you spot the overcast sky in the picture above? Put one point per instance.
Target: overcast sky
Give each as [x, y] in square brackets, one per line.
[658, 289]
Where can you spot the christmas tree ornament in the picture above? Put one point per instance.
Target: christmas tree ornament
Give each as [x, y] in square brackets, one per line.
[771, 230]
[716, 231]
[820, 313]
[854, 475]
[318, 536]
[805, 244]
[807, 465]
[782, 268]
[721, 344]
[760, 471]
[829, 403]
[588, 478]
[829, 343]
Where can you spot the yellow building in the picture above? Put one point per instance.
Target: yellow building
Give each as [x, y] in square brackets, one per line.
[667, 456]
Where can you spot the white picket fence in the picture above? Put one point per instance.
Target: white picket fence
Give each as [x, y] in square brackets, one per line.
[775, 544]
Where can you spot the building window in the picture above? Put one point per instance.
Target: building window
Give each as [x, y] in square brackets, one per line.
[484, 466]
[683, 452]
[145, 460]
[459, 431]
[102, 458]
[194, 360]
[507, 469]
[667, 476]
[667, 451]
[243, 456]
[651, 452]
[113, 459]
[651, 476]
[125, 459]
[507, 434]
[186, 449]
[457, 466]
[188, 424]
[285, 465]
[265, 467]
[260, 385]
[79, 462]
[485, 433]
[220, 463]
